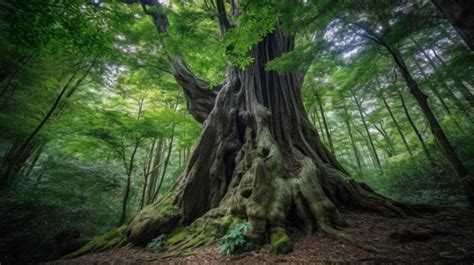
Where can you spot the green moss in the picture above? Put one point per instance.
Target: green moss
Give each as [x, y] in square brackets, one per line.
[229, 221]
[177, 236]
[111, 239]
[280, 241]
[165, 208]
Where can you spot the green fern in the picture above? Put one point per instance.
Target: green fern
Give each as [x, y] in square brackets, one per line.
[233, 239]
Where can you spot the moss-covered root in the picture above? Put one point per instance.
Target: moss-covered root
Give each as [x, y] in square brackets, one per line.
[112, 239]
[157, 218]
[280, 241]
[307, 188]
[203, 231]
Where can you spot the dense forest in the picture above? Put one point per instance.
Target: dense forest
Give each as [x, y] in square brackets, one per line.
[143, 131]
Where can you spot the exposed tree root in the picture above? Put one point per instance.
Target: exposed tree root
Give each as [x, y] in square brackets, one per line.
[112, 239]
[260, 192]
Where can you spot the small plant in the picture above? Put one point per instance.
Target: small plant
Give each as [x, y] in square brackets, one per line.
[233, 239]
[158, 243]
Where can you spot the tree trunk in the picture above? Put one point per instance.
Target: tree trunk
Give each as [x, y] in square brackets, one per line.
[155, 171]
[387, 106]
[165, 167]
[457, 102]
[460, 14]
[147, 170]
[351, 137]
[465, 179]
[31, 165]
[14, 160]
[390, 147]
[372, 149]
[129, 170]
[415, 129]
[457, 81]
[326, 126]
[258, 158]
[318, 119]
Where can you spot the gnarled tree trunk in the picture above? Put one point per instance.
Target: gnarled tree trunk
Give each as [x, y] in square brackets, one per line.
[259, 159]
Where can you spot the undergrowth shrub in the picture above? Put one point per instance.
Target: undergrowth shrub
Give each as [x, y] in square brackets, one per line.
[416, 180]
[233, 239]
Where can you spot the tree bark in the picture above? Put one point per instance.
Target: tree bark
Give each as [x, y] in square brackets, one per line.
[460, 14]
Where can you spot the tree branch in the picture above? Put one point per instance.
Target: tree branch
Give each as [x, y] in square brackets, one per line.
[224, 23]
[199, 97]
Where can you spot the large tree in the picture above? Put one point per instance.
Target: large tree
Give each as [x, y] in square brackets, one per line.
[258, 157]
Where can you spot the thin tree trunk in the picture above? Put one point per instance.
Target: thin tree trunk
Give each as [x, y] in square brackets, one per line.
[147, 171]
[461, 86]
[387, 106]
[457, 81]
[155, 171]
[369, 157]
[371, 142]
[415, 129]
[390, 148]
[326, 126]
[11, 168]
[126, 195]
[13, 165]
[165, 166]
[438, 96]
[34, 160]
[351, 137]
[457, 102]
[318, 119]
[14, 74]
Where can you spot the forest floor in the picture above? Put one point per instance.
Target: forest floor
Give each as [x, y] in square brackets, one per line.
[446, 237]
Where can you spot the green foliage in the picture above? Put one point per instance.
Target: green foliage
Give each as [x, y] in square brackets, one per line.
[234, 238]
[259, 20]
[416, 180]
[62, 193]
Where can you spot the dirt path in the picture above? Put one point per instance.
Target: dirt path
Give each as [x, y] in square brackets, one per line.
[446, 237]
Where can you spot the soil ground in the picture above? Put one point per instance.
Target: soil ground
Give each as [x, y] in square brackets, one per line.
[446, 238]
